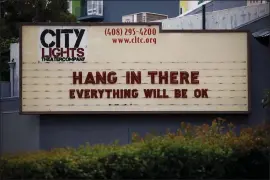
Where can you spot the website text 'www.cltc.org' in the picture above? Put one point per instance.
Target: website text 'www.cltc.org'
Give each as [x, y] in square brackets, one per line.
[134, 40]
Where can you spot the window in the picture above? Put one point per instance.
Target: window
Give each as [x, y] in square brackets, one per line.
[256, 2]
[95, 7]
[144, 18]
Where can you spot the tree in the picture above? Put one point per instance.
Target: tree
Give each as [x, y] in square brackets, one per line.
[16, 11]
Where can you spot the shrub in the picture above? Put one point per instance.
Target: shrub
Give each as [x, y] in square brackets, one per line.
[206, 151]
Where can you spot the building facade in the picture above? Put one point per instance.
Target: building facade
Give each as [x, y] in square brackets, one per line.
[112, 11]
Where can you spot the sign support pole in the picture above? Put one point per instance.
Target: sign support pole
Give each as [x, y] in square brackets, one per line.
[203, 17]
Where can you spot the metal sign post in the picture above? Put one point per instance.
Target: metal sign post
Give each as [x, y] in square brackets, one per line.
[203, 17]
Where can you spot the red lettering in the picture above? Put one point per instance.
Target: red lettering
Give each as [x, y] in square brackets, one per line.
[177, 93]
[80, 52]
[152, 74]
[201, 93]
[89, 79]
[71, 93]
[148, 93]
[108, 91]
[68, 52]
[72, 51]
[204, 93]
[173, 77]
[111, 77]
[135, 78]
[64, 51]
[101, 78]
[55, 52]
[170, 77]
[127, 77]
[94, 93]
[50, 52]
[155, 93]
[135, 93]
[43, 54]
[79, 93]
[98, 93]
[184, 93]
[180, 93]
[126, 93]
[116, 93]
[77, 78]
[87, 94]
[101, 91]
[184, 77]
[164, 77]
[194, 77]
[197, 93]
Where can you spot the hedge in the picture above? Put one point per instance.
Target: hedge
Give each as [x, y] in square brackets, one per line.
[206, 151]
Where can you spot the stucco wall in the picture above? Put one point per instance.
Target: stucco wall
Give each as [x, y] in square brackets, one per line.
[5, 89]
[18, 133]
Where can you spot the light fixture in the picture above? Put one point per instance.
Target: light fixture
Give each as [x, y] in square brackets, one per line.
[12, 64]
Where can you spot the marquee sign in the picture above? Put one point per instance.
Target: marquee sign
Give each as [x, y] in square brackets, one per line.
[120, 68]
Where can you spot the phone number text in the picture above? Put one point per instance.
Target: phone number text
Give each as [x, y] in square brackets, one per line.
[130, 31]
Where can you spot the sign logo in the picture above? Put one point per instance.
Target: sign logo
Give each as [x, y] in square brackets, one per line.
[62, 44]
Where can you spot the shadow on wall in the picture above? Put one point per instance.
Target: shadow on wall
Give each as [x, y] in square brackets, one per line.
[20, 133]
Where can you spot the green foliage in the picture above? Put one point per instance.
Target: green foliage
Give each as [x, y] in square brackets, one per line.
[206, 151]
[18, 11]
[266, 99]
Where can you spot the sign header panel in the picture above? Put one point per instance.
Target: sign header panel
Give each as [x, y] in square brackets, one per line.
[132, 68]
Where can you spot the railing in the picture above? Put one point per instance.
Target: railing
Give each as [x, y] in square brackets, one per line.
[223, 19]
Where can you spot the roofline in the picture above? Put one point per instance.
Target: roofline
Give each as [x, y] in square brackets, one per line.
[200, 5]
[243, 25]
[146, 12]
